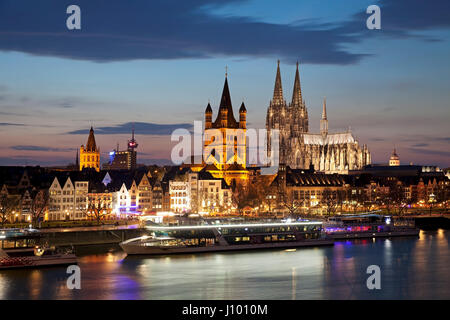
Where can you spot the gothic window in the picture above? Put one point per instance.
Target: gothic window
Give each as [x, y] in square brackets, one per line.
[297, 159]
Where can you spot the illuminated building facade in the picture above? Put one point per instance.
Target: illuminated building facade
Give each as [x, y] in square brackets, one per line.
[123, 160]
[300, 149]
[180, 196]
[67, 199]
[305, 189]
[225, 153]
[90, 155]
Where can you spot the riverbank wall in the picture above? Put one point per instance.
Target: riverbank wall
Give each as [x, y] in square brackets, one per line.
[432, 223]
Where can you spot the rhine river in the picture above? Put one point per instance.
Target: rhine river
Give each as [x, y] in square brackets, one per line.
[411, 268]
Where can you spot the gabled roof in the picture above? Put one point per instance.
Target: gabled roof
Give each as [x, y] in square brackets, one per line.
[298, 178]
[236, 167]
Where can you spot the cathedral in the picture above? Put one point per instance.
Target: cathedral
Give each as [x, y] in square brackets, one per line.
[300, 149]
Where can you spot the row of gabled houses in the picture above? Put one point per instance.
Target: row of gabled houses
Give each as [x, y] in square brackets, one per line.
[71, 195]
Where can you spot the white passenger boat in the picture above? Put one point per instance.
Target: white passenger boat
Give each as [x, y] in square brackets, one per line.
[226, 237]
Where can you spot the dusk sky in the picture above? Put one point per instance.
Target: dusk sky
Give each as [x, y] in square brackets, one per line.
[158, 63]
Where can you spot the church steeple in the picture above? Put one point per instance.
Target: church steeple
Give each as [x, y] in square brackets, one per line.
[225, 117]
[297, 99]
[324, 120]
[225, 101]
[278, 90]
[324, 109]
[90, 145]
[299, 114]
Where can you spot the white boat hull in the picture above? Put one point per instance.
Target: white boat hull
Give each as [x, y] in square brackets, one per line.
[136, 249]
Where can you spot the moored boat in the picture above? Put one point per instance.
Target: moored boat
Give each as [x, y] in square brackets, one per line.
[226, 237]
[22, 248]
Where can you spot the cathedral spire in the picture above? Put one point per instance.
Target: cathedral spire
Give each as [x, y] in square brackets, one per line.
[324, 121]
[297, 93]
[278, 90]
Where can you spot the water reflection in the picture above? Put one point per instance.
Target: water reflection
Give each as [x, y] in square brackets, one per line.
[410, 268]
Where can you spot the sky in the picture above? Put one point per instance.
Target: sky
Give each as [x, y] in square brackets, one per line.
[156, 64]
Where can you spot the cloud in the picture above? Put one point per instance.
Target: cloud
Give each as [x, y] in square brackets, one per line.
[39, 148]
[377, 139]
[141, 128]
[420, 145]
[7, 124]
[27, 161]
[430, 152]
[173, 29]
[165, 29]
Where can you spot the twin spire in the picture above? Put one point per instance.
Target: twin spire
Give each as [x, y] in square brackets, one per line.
[297, 99]
[278, 90]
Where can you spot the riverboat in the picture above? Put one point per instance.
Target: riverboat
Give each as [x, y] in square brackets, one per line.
[213, 237]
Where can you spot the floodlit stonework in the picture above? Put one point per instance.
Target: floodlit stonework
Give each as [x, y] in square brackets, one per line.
[90, 155]
[300, 149]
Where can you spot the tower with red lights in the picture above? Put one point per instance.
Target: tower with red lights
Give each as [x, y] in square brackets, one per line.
[132, 146]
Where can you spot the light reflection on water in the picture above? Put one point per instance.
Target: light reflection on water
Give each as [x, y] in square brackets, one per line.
[410, 268]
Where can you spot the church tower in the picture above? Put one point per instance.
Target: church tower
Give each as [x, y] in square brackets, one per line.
[225, 138]
[277, 117]
[90, 155]
[297, 109]
[300, 149]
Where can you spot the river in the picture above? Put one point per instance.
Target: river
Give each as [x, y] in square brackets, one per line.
[411, 268]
